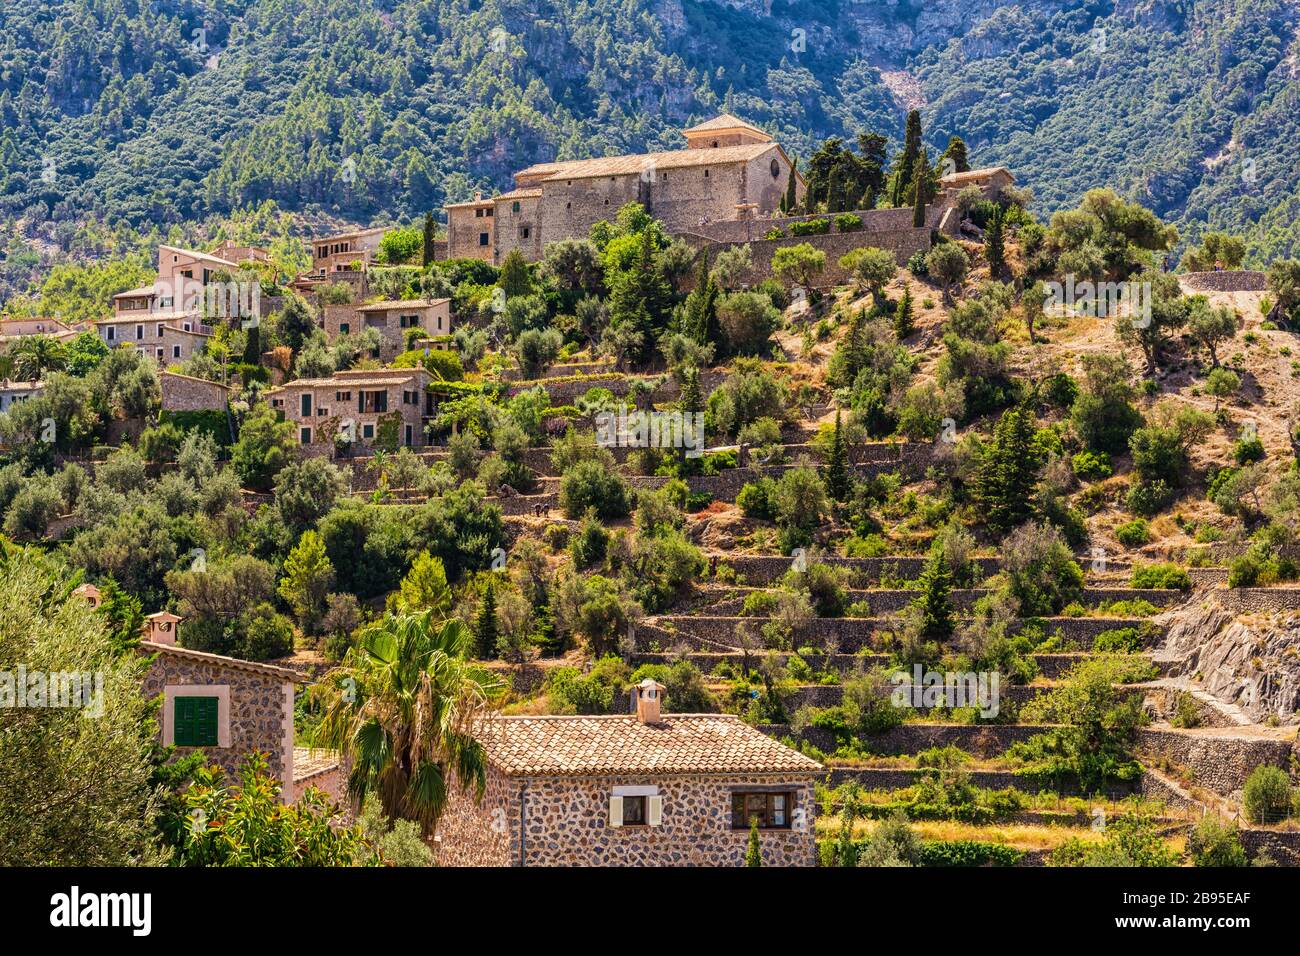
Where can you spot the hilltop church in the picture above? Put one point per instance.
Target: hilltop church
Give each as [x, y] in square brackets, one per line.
[729, 170]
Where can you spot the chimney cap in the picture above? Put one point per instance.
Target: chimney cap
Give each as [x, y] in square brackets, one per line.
[651, 684]
[162, 616]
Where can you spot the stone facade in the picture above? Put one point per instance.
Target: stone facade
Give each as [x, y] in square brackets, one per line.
[255, 710]
[340, 253]
[554, 821]
[728, 170]
[363, 402]
[184, 393]
[393, 320]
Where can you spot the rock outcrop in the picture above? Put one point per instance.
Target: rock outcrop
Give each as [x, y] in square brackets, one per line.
[1248, 660]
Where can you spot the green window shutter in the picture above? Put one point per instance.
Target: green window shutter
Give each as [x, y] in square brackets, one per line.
[195, 721]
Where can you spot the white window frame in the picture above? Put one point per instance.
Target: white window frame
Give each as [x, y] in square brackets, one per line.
[220, 691]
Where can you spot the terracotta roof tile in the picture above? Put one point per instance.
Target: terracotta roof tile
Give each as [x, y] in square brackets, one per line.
[633, 164]
[721, 122]
[619, 744]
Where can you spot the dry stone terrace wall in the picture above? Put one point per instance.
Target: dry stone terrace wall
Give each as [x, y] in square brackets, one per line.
[894, 778]
[845, 634]
[983, 739]
[1050, 666]
[1219, 761]
[1254, 600]
[889, 601]
[1226, 280]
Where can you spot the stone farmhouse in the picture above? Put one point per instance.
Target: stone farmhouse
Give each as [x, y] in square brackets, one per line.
[990, 180]
[640, 789]
[13, 330]
[394, 319]
[372, 407]
[729, 170]
[341, 258]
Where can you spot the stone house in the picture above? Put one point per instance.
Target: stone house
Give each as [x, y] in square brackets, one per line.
[345, 252]
[729, 170]
[360, 403]
[991, 181]
[393, 318]
[13, 392]
[185, 393]
[640, 789]
[14, 330]
[471, 229]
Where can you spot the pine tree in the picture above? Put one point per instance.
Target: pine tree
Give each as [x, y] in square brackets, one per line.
[640, 300]
[839, 482]
[904, 323]
[753, 852]
[485, 628]
[935, 601]
[907, 159]
[956, 152]
[429, 232]
[545, 636]
[790, 202]
[1008, 472]
[993, 246]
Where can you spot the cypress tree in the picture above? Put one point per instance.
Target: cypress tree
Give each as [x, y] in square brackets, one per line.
[1008, 472]
[485, 628]
[428, 239]
[838, 480]
[253, 346]
[921, 174]
[700, 318]
[753, 852]
[790, 202]
[907, 158]
[935, 600]
[904, 325]
[994, 250]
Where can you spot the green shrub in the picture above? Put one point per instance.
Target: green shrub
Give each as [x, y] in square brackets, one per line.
[757, 499]
[1248, 450]
[1149, 498]
[1168, 577]
[848, 222]
[967, 853]
[810, 227]
[1133, 534]
[1213, 843]
[1120, 640]
[1266, 796]
[589, 485]
[1092, 465]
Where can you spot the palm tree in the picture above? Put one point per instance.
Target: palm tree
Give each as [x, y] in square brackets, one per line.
[404, 707]
[34, 355]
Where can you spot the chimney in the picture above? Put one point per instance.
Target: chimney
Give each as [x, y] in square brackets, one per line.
[160, 628]
[648, 697]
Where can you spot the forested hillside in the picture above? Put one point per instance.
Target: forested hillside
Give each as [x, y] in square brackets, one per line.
[182, 110]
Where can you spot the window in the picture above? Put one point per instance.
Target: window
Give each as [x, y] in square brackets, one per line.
[770, 809]
[322, 412]
[410, 436]
[367, 431]
[634, 811]
[514, 206]
[482, 238]
[706, 174]
[195, 721]
[344, 328]
[139, 332]
[776, 169]
[188, 327]
[304, 405]
[304, 436]
[176, 351]
[525, 232]
[160, 327]
[488, 213]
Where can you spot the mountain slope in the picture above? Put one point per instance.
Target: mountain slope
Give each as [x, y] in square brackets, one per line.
[175, 111]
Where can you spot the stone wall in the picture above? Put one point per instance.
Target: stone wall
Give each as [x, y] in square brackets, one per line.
[903, 243]
[261, 710]
[565, 822]
[1225, 280]
[182, 393]
[895, 778]
[842, 634]
[1219, 761]
[740, 231]
[985, 740]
